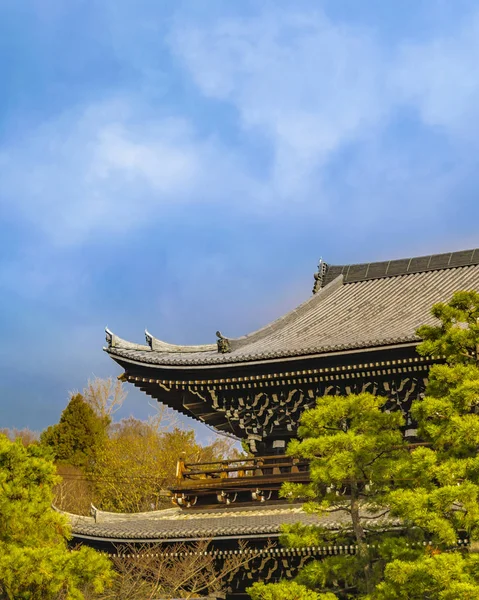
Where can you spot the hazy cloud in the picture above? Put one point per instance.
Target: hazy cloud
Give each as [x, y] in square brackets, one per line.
[103, 169]
[183, 166]
[309, 86]
[440, 78]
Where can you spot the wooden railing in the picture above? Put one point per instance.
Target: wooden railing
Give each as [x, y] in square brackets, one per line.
[257, 466]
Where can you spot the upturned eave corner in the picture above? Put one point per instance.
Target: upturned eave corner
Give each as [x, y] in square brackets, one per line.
[115, 342]
[109, 335]
[357, 308]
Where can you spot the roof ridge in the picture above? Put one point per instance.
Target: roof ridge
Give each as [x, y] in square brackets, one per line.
[392, 268]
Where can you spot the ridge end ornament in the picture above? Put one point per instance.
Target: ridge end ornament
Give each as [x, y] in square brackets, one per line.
[223, 343]
[109, 337]
[319, 275]
[149, 339]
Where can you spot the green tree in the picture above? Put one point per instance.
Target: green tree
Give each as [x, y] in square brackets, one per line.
[457, 336]
[442, 491]
[448, 576]
[442, 495]
[354, 448]
[433, 488]
[285, 590]
[35, 561]
[76, 439]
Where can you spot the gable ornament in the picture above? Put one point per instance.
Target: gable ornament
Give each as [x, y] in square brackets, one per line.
[223, 343]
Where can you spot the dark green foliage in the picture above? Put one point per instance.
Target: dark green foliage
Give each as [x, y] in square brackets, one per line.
[79, 434]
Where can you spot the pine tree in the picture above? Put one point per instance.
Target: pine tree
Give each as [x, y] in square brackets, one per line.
[75, 440]
[442, 497]
[35, 561]
[354, 448]
[285, 591]
[432, 489]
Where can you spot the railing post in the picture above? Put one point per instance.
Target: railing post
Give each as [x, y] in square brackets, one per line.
[258, 464]
[181, 468]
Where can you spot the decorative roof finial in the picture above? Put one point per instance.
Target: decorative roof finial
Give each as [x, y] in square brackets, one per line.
[223, 343]
[319, 276]
[109, 337]
[149, 339]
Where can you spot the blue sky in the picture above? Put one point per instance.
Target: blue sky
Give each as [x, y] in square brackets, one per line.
[182, 166]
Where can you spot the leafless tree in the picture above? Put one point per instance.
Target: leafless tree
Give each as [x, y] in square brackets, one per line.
[27, 436]
[185, 571]
[105, 396]
[74, 492]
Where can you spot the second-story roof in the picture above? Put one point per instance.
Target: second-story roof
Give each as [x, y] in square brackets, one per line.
[353, 307]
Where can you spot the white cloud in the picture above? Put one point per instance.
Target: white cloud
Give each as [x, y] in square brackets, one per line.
[307, 88]
[440, 77]
[106, 170]
[313, 88]
[308, 85]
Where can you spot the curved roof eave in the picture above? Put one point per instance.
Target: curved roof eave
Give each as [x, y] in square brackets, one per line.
[363, 307]
[402, 343]
[157, 345]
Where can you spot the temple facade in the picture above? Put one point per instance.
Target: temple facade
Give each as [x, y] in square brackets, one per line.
[355, 333]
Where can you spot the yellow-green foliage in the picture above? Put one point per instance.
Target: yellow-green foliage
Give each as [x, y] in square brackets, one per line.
[441, 492]
[458, 333]
[439, 577]
[357, 451]
[35, 562]
[286, 590]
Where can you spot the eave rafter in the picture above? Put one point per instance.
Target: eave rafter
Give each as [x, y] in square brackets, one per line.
[334, 373]
[260, 407]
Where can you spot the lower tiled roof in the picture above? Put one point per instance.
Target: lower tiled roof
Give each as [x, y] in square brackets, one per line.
[179, 524]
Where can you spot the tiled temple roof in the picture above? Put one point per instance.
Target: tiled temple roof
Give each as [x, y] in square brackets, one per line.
[354, 307]
[402, 266]
[178, 525]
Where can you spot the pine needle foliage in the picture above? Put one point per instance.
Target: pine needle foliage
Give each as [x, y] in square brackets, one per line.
[35, 561]
[76, 439]
[429, 492]
[442, 498]
[355, 449]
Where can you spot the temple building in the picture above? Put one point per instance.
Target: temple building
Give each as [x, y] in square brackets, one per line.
[355, 333]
